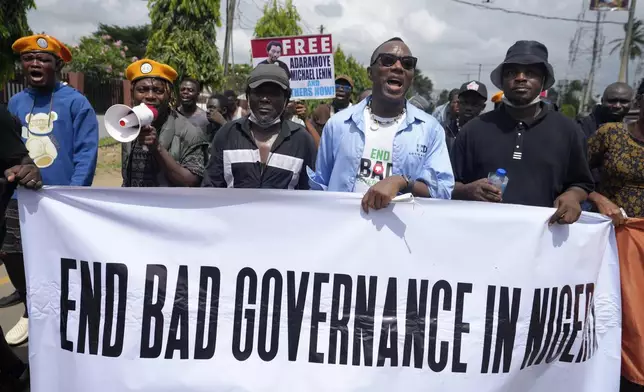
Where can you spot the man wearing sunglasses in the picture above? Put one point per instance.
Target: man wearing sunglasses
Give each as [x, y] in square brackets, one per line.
[385, 146]
[342, 100]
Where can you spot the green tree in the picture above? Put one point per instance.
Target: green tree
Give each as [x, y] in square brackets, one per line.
[99, 57]
[568, 95]
[236, 80]
[278, 20]
[135, 38]
[637, 43]
[443, 97]
[13, 25]
[185, 37]
[422, 85]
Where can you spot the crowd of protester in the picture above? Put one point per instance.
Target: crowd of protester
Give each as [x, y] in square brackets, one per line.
[380, 145]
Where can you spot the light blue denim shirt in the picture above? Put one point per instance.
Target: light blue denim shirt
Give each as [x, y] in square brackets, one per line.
[419, 151]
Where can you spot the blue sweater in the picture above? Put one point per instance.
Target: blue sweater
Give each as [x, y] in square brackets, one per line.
[64, 145]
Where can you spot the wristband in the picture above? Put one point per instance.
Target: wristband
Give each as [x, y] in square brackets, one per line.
[410, 185]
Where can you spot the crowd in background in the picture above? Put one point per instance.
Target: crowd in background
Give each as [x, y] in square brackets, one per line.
[382, 145]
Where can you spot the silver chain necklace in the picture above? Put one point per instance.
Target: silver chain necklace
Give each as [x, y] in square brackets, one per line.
[375, 123]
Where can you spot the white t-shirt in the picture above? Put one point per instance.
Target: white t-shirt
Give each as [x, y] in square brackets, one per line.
[376, 163]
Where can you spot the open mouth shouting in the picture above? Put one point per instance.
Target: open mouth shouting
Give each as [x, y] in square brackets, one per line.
[37, 76]
[394, 85]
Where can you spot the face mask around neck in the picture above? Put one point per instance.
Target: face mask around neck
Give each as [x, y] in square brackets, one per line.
[264, 125]
[534, 102]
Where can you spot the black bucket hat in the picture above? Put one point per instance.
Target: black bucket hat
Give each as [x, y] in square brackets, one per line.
[524, 53]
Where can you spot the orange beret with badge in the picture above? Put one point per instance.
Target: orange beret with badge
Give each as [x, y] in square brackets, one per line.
[496, 98]
[147, 68]
[42, 43]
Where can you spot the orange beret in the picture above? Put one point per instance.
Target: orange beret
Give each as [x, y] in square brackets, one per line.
[146, 68]
[42, 43]
[496, 98]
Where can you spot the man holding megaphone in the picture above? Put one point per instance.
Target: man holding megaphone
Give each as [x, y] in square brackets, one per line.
[165, 149]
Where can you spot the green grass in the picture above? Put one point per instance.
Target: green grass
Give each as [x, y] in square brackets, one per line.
[106, 142]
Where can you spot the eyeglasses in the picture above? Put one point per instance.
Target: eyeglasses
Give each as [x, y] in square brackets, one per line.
[343, 87]
[388, 60]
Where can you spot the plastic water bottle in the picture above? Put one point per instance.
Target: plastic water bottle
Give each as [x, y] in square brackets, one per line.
[499, 179]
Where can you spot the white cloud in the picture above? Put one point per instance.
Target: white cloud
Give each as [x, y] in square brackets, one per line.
[428, 27]
[449, 39]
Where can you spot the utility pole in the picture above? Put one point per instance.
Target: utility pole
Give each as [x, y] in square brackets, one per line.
[230, 14]
[623, 69]
[588, 88]
[321, 29]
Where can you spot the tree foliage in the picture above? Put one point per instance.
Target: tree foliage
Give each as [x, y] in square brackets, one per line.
[134, 37]
[100, 57]
[236, 79]
[278, 20]
[351, 67]
[422, 85]
[443, 97]
[569, 96]
[13, 25]
[185, 37]
[637, 41]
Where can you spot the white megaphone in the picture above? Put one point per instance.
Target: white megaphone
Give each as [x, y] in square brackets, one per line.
[124, 123]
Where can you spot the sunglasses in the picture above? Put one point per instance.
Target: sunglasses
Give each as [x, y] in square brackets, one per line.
[388, 60]
[343, 87]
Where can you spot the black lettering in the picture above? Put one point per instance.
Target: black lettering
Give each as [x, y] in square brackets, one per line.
[295, 304]
[537, 323]
[112, 271]
[178, 335]
[576, 326]
[153, 310]
[460, 327]
[565, 299]
[265, 353]
[339, 323]
[208, 276]
[551, 326]
[415, 323]
[507, 328]
[444, 286]
[586, 349]
[388, 347]
[66, 304]
[317, 317]
[242, 354]
[365, 167]
[363, 326]
[489, 327]
[90, 309]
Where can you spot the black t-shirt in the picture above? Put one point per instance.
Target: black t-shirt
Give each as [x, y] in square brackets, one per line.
[12, 151]
[12, 148]
[543, 158]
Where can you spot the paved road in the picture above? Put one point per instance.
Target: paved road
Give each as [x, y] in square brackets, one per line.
[9, 316]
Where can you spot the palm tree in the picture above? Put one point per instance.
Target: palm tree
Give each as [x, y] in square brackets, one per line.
[637, 42]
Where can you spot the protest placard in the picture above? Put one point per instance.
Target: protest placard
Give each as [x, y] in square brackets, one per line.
[194, 290]
[308, 60]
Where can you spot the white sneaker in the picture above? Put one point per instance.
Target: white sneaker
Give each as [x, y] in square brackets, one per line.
[19, 333]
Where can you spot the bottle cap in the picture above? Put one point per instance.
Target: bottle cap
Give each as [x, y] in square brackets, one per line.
[500, 172]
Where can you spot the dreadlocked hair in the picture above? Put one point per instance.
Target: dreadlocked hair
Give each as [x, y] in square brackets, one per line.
[172, 102]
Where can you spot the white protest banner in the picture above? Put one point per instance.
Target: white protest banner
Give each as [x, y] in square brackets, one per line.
[308, 60]
[196, 290]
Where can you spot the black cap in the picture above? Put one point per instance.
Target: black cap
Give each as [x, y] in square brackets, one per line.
[476, 86]
[268, 73]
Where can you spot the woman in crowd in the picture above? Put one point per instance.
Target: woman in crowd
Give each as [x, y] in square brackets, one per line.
[617, 150]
